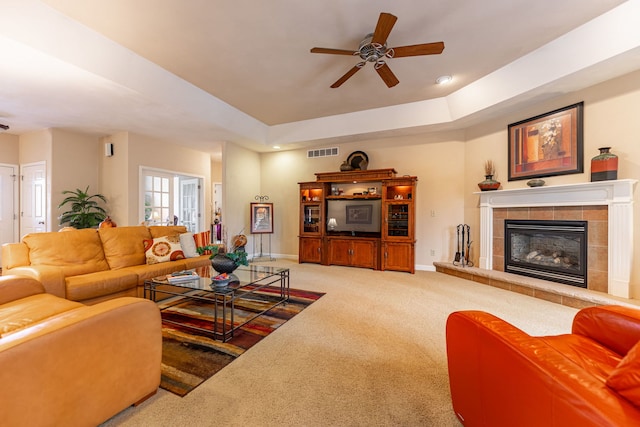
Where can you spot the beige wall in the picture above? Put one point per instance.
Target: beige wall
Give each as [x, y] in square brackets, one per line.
[73, 166]
[437, 161]
[152, 153]
[113, 179]
[448, 167]
[240, 185]
[9, 149]
[610, 119]
[216, 171]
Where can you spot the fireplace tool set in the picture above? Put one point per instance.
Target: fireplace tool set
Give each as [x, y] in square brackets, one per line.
[463, 238]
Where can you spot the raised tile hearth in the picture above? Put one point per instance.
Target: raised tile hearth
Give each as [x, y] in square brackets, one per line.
[570, 296]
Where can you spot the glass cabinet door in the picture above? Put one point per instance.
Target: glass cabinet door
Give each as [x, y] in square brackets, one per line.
[311, 214]
[397, 220]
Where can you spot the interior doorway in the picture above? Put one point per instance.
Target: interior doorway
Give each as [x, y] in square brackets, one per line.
[8, 204]
[216, 226]
[33, 198]
[171, 198]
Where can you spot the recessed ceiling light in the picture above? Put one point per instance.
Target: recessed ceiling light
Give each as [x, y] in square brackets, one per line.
[443, 80]
[276, 147]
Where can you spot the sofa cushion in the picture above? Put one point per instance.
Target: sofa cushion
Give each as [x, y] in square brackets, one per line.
[15, 255]
[149, 271]
[95, 285]
[188, 244]
[625, 378]
[75, 252]
[163, 249]
[123, 246]
[166, 230]
[24, 312]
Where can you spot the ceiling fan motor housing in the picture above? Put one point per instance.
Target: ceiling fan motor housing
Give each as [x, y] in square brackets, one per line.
[371, 52]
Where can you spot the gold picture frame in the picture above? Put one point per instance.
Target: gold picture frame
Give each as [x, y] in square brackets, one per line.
[547, 145]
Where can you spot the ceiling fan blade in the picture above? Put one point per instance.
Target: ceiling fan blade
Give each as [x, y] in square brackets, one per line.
[387, 75]
[332, 51]
[418, 49]
[385, 24]
[348, 75]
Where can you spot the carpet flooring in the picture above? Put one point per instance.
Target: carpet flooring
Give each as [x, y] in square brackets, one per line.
[370, 352]
[190, 357]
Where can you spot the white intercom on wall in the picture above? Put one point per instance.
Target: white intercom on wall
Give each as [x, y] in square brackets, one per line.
[108, 149]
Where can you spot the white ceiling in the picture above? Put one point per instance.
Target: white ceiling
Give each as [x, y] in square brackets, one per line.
[199, 72]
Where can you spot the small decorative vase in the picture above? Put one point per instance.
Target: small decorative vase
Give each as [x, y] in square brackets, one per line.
[107, 223]
[489, 184]
[604, 166]
[535, 182]
[223, 264]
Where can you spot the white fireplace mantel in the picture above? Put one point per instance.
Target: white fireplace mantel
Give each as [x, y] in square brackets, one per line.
[616, 194]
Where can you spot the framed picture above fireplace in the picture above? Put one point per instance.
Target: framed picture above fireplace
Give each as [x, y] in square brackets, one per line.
[547, 145]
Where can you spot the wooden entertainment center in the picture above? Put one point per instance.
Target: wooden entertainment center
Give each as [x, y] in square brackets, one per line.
[361, 218]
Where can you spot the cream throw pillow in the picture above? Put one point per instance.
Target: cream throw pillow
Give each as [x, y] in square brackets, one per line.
[188, 244]
[163, 249]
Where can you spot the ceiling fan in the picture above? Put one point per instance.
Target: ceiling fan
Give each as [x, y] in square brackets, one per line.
[373, 48]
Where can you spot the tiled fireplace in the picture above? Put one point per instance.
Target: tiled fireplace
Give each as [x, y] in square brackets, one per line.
[606, 207]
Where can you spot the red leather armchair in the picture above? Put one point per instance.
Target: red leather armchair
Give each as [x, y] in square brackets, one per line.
[501, 376]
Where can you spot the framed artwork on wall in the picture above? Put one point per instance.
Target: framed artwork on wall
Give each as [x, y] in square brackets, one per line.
[547, 145]
[261, 218]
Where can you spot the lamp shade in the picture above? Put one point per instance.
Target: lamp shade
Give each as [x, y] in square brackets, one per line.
[332, 223]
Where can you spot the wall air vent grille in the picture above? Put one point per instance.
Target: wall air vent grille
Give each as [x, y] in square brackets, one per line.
[322, 152]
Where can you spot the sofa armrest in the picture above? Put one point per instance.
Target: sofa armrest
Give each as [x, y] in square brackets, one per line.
[615, 327]
[500, 376]
[82, 367]
[16, 287]
[51, 277]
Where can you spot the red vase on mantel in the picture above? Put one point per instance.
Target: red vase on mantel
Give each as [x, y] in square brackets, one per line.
[604, 166]
[489, 184]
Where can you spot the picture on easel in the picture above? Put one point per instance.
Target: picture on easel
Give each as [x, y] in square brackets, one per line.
[261, 218]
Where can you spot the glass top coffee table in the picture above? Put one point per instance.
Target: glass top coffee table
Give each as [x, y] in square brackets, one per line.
[257, 289]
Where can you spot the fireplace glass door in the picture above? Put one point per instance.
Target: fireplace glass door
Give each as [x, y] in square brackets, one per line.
[549, 250]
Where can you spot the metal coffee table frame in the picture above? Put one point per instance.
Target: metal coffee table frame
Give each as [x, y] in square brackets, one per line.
[246, 283]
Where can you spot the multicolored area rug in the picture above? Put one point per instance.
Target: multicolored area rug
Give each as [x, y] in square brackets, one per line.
[189, 358]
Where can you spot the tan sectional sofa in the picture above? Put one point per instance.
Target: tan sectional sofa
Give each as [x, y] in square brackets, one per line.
[92, 265]
[68, 364]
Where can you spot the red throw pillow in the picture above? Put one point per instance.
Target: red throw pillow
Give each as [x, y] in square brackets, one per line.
[203, 239]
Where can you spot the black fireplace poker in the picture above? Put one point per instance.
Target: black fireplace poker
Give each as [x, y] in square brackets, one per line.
[463, 240]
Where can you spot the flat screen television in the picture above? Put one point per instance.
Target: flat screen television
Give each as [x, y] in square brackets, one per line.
[355, 215]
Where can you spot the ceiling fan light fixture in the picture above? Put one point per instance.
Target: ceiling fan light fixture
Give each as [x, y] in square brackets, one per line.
[443, 80]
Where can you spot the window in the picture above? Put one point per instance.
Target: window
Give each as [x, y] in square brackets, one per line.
[172, 199]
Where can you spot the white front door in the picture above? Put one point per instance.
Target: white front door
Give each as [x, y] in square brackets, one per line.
[33, 200]
[8, 204]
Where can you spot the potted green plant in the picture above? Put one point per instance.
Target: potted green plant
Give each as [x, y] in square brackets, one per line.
[84, 210]
[224, 261]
